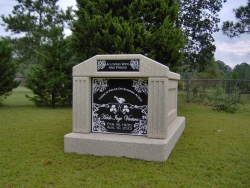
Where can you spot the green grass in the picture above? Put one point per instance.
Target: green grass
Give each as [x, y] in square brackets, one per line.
[213, 151]
[18, 98]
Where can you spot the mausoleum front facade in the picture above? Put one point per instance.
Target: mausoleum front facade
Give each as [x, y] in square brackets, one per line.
[124, 105]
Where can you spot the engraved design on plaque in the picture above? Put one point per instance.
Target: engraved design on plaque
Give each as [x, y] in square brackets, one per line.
[118, 65]
[119, 106]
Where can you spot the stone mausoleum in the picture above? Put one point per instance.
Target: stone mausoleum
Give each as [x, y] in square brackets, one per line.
[124, 106]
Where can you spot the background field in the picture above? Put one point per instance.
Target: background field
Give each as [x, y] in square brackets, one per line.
[17, 98]
[213, 151]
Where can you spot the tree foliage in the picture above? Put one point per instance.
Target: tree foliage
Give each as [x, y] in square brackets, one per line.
[33, 19]
[225, 70]
[211, 70]
[7, 69]
[43, 43]
[144, 27]
[51, 82]
[242, 26]
[243, 71]
[198, 20]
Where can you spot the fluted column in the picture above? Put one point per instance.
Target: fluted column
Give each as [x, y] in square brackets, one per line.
[157, 108]
[82, 104]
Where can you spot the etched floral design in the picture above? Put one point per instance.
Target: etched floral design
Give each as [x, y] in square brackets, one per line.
[101, 64]
[98, 125]
[119, 108]
[125, 109]
[113, 109]
[100, 85]
[135, 64]
[140, 128]
[140, 86]
[144, 109]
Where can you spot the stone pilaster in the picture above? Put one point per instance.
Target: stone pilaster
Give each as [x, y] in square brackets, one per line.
[157, 107]
[81, 104]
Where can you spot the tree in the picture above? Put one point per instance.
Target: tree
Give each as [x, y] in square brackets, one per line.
[225, 70]
[211, 70]
[243, 71]
[145, 27]
[242, 26]
[33, 19]
[198, 20]
[43, 43]
[7, 68]
[51, 82]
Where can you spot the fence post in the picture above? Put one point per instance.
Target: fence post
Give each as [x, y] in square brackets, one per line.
[236, 85]
[230, 93]
[187, 92]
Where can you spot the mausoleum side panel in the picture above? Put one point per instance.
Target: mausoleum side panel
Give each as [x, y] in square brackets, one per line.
[172, 100]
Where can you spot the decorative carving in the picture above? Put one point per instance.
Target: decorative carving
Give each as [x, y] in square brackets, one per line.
[135, 64]
[120, 108]
[140, 85]
[100, 85]
[101, 64]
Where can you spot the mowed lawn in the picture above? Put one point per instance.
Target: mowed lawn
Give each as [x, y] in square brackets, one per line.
[213, 151]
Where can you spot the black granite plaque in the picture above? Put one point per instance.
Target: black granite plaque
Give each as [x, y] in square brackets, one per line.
[118, 65]
[119, 106]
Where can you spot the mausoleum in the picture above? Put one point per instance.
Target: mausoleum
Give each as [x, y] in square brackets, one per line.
[124, 106]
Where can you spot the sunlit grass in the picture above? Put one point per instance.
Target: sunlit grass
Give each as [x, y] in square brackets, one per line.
[213, 151]
[18, 98]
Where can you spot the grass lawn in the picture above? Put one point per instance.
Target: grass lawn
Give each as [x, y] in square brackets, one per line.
[213, 151]
[17, 98]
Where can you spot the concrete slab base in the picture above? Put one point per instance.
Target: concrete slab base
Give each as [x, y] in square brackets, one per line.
[137, 147]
